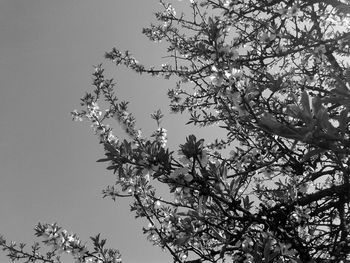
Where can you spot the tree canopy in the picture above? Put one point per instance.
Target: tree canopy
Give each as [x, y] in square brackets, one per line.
[275, 76]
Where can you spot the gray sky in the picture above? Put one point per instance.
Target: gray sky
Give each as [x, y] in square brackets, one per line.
[47, 162]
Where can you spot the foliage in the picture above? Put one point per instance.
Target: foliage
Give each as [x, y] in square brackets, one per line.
[274, 74]
[60, 242]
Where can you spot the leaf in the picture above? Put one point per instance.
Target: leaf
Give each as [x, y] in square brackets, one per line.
[182, 240]
[340, 85]
[269, 122]
[316, 105]
[103, 160]
[305, 102]
[294, 111]
[233, 186]
[193, 213]
[292, 97]
[157, 116]
[312, 153]
[111, 149]
[275, 254]
[201, 203]
[323, 119]
[255, 254]
[247, 204]
[269, 76]
[343, 8]
[343, 119]
[267, 249]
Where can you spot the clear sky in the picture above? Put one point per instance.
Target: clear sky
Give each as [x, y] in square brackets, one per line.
[47, 162]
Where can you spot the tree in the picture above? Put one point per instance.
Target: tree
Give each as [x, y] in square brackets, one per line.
[275, 76]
